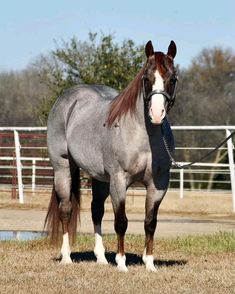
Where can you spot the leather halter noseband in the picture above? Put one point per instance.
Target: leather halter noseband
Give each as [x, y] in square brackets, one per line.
[169, 99]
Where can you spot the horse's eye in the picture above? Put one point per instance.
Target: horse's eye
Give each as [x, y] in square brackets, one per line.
[173, 80]
[145, 77]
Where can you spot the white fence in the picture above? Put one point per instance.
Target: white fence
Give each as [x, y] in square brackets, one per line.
[180, 179]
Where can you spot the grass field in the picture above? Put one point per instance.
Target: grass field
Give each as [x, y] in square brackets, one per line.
[204, 264]
[193, 264]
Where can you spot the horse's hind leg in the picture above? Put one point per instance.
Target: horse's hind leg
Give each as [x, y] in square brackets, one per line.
[100, 191]
[67, 191]
[62, 184]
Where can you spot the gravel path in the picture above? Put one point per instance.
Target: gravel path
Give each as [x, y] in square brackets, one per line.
[168, 225]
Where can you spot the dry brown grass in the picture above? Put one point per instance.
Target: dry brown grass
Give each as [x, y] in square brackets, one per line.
[28, 267]
[190, 265]
[194, 203]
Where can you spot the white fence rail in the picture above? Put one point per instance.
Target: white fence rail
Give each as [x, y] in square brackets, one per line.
[205, 168]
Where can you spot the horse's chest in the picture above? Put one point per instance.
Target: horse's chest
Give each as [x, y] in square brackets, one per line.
[137, 165]
[145, 165]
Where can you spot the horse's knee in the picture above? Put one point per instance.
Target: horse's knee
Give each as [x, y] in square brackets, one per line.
[150, 225]
[97, 211]
[150, 221]
[100, 191]
[121, 221]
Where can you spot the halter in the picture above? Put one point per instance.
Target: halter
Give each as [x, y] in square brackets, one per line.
[169, 99]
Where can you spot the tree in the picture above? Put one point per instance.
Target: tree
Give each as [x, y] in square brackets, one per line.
[93, 62]
[20, 93]
[206, 96]
[206, 89]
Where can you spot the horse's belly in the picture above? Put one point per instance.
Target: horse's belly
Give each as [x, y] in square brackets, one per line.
[89, 160]
[95, 170]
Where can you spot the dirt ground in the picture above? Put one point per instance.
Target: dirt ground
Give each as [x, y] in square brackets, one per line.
[196, 213]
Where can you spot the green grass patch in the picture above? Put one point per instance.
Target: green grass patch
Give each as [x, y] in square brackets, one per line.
[25, 245]
[222, 242]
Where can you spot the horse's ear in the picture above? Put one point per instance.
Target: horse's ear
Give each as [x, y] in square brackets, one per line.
[172, 49]
[149, 49]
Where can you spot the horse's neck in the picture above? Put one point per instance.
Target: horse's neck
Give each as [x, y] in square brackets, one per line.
[134, 124]
[139, 115]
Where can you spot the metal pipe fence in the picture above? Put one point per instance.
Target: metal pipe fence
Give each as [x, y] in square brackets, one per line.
[24, 160]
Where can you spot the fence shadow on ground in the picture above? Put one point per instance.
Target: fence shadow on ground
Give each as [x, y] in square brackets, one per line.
[131, 259]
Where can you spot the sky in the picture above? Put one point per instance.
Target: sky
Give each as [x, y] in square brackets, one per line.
[30, 28]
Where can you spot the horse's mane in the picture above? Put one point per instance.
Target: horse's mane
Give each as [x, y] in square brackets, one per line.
[126, 101]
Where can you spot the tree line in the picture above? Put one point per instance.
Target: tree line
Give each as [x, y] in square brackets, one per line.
[205, 94]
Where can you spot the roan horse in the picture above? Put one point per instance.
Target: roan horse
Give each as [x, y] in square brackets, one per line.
[117, 139]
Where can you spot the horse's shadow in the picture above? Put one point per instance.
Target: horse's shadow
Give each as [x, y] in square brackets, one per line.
[131, 259]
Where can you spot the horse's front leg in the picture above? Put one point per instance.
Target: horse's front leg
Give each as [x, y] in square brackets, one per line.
[153, 201]
[118, 196]
[100, 192]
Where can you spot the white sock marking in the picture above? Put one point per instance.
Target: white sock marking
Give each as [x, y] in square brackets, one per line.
[149, 262]
[99, 249]
[121, 262]
[65, 250]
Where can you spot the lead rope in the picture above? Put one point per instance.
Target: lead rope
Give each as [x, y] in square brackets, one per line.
[179, 166]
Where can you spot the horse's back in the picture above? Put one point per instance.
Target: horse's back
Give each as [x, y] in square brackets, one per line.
[80, 93]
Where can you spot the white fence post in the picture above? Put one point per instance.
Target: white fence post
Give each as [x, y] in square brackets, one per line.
[231, 166]
[181, 183]
[33, 173]
[18, 166]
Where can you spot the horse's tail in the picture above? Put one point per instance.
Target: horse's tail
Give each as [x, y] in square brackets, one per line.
[52, 222]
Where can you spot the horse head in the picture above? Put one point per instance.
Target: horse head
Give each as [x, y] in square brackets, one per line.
[159, 82]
